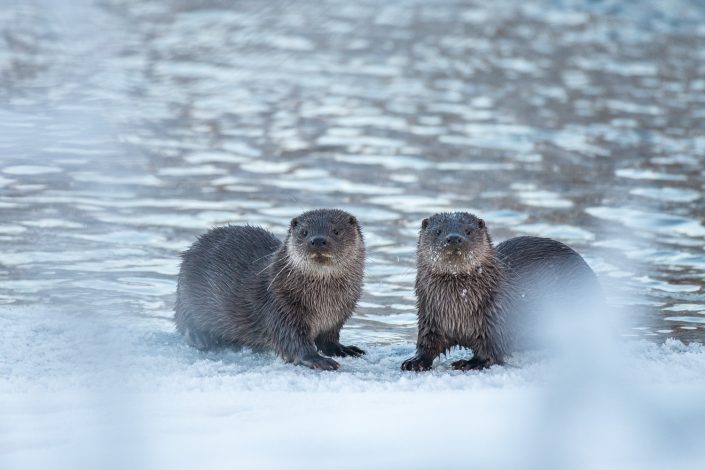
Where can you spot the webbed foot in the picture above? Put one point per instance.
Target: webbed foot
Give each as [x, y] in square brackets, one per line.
[337, 349]
[417, 364]
[474, 364]
[317, 362]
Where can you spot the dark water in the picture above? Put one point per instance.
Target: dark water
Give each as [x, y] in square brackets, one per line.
[127, 128]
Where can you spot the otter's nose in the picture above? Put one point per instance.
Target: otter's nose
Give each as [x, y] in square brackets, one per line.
[318, 241]
[454, 239]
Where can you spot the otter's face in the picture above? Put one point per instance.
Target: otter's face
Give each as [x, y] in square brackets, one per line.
[453, 242]
[324, 239]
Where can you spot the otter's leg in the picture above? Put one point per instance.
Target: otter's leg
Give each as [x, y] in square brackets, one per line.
[428, 347]
[201, 339]
[186, 325]
[292, 345]
[475, 363]
[486, 353]
[329, 344]
[316, 361]
[305, 354]
[196, 337]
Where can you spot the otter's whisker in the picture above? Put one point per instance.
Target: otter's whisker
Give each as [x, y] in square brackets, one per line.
[277, 275]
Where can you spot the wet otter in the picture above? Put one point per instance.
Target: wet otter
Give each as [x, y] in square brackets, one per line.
[473, 295]
[239, 285]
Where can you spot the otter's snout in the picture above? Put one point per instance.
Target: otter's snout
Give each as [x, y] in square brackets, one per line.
[455, 239]
[318, 242]
[455, 245]
[319, 249]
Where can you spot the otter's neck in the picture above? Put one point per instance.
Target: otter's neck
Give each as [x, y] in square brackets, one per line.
[478, 284]
[487, 271]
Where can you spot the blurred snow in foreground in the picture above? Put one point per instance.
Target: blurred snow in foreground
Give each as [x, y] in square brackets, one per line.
[106, 395]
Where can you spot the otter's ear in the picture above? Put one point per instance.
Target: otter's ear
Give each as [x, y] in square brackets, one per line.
[294, 222]
[424, 224]
[481, 223]
[352, 220]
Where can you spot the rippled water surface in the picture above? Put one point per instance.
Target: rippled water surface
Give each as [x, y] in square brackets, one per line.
[127, 128]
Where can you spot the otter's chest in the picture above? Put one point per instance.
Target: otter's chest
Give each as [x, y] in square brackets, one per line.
[456, 306]
[326, 309]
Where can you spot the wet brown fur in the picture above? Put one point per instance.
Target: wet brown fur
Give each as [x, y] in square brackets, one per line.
[240, 286]
[473, 295]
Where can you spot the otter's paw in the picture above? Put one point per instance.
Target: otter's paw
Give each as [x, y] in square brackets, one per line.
[318, 362]
[416, 363]
[353, 351]
[344, 351]
[473, 364]
[337, 349]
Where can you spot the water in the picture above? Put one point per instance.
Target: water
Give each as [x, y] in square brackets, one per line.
[128, 128]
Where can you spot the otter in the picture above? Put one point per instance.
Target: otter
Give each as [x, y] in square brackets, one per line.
[474, 295]
[241, 286]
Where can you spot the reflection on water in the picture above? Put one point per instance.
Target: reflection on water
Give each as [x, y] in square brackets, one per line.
[127, 128]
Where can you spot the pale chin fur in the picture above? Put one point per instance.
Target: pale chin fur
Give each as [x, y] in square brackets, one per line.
[302, 263]
[439, 263]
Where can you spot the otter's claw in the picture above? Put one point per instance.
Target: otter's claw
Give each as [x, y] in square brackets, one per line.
[337, 349]
[416, 363]
[353, 351]
[473, 364]
[318, 362]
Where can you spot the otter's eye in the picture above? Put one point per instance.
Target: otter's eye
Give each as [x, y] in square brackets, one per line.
[438, 231]
[336, 232]
[468, 231]
[304, 233]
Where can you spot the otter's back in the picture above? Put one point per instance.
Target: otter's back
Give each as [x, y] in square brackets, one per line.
[234, 249]
[549, 281]
[220, 275]
[535, 264]
[520, 252]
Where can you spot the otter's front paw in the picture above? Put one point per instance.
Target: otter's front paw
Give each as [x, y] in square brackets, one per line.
[353, 351]
[344, 351]
[473, 364]
[417, 364]
[318, 362]
[337, 349]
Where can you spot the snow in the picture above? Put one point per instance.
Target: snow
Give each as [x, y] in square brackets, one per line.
[111, 393]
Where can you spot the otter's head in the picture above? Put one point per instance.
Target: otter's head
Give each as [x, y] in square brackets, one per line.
[325, 241]
[453, 242]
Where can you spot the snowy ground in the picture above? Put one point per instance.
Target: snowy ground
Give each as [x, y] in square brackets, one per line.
[109, 396]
